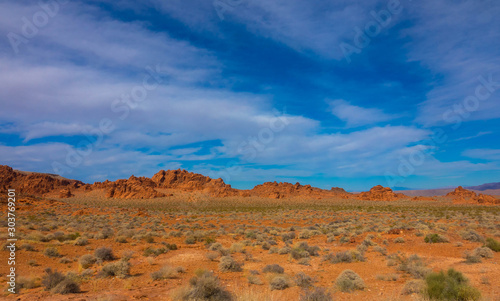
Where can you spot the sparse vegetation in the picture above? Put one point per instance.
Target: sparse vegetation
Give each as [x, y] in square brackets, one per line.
[349, 281]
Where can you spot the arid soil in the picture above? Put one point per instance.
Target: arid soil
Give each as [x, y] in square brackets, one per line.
[162, 232]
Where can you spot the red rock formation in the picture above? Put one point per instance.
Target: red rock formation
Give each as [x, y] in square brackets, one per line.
[65, 193]
[380, 193]
[132, 188]
[462, 195]
[189, 181]
[31, 183]
[280, 190]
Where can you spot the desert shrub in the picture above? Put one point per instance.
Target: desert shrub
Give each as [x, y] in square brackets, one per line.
[302, 280]
[104, 254]
[493, 244]
[470, 257]
[349, 281]
[273, 268]
[215, 246]
[471, 235]
[58, 283]
[305, 234]
[279, 283]
[237, 248]
[171, 247]
[121, 239]
[381, 250]
[51, 279]
[27, 283]
[154, 252]
[304, 261]
[87, 260]
[435, 238]
[303, 250]
[67, 286]
[317, 294]
[228, 264]
[288, 236]
[204, 286]
[414, 266]
[105, 233]
[165, 272]
[483, 252]
[413, 286]
[399, 240]
[120, 269]
[190, 240]
[273, 250]
[450, 286]
[345, 256]
[388, 277]
[64, 237]
[32, 263]
[51, 252]
[253, 279]
[284, 250]
[65, 260]
[81, 241]
[212, 256]
[28, 247]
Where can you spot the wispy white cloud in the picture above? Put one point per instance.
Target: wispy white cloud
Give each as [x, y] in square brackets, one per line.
[356, 115]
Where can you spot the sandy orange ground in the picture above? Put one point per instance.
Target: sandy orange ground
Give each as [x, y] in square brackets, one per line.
[140, 286]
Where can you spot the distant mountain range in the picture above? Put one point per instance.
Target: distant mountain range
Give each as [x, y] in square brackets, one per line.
[489, 188]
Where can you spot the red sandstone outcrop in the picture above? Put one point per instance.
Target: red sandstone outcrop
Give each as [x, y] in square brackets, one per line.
[189, 181]
[462, 195]
[380, 193]
[31, 183]
[131, 188]
[280, 190]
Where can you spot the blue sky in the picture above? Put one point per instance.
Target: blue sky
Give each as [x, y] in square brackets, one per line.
[330, 93]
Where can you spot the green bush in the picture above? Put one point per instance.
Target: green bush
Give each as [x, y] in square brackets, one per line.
[452, 286]
[435, 238]
[493, 244]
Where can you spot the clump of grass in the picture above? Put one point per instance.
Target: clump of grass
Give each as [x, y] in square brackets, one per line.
[483, 252]
[104, 254]
[28, 247]
[205, 286]
[414, 266]
[388, 277]
[81, 241]
[51, 252]
[435, 238]
[27, 283]
[302, 280]
[273, 268]
[120, 269]
[166, 272]
[399, 240]
[86, 261]
[415, 286]
[253, 279]
[493, 244]
[345, 256]
[228, 264]
[471, 235]
[58, 283]
[349, 281]
[279, 283]
[316, 294]
[450, 286]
